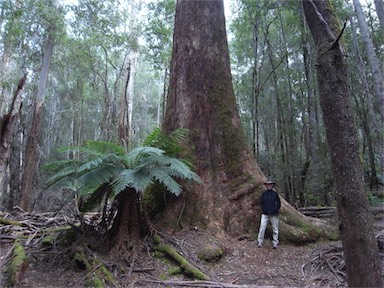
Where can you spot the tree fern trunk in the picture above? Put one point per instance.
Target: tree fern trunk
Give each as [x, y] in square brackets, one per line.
[124, 235]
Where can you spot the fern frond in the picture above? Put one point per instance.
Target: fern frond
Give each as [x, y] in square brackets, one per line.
[171, 144]
[98, 176]
[104, 147]
[65, 173]
[164, 178]
[123, 180]
[139, 153]
[153, 139]
[94, 198]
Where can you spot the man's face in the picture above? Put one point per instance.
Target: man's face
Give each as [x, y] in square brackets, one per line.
[269, 185]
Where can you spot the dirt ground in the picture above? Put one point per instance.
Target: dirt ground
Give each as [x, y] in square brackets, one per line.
[242, 265]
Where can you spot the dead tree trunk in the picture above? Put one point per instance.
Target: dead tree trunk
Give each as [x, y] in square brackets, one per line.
[356, 222]
[8, 124]
[30, 163]
[201, 98]
[123, 130]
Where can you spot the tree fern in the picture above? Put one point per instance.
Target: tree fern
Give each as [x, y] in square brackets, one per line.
[172, 144]
[103, 166]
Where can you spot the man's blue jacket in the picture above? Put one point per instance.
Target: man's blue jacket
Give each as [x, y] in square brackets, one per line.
[270, 202]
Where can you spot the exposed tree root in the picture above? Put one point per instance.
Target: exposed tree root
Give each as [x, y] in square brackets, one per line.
[98, 274]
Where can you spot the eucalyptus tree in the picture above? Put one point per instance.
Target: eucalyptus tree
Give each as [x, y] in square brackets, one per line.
[379, 4]
[378, 83]
[356, 221]
[201, 99]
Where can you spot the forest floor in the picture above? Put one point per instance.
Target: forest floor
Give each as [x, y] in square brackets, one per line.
[243, 264]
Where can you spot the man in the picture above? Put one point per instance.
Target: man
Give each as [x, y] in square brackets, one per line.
[270, 206]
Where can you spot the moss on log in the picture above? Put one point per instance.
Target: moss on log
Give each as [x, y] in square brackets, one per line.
[17, 266]
[98, 274]
[10, 222]
[187, 268]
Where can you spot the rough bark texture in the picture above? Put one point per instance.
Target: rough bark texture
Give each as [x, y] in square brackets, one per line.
[356, 223]
[7, 129]
[30, 165]
[201, 98]
[377, 76]
[124, 236]
[379, 4]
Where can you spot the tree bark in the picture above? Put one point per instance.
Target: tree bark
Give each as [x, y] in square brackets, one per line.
[356, 222]
[124, 236]
[374, 138]
[377, 74]
[123, 130]
[8, 124]
[30, 163]
[201, 98]
[380, 12]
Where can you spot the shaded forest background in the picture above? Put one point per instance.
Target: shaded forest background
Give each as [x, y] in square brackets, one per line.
[100, 70]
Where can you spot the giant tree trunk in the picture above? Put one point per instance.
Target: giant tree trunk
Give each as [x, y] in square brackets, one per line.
[201, 98]
[356, 223]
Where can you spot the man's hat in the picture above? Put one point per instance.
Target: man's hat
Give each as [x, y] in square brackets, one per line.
[269, 181]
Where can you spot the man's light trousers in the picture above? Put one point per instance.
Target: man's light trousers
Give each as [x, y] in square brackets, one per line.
[274, 219]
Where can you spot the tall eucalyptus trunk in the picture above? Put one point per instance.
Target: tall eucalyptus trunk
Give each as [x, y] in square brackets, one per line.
[201, 99]
[370, 124]
[377, 73]
[356, 221]
[379, 4]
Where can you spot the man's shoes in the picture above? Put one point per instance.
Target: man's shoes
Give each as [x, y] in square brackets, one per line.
[260, 245]
[274, 246]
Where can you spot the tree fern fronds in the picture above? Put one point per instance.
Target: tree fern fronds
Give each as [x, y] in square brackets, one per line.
[153, 139]
[66, 172]
[90, 165]
[98, 176]
[143, 179]
[136, 154]
[104, 147]
[95, 198]
[171, 144]
[123, 180]
[180, 136]
[60, 164]
[164, 178]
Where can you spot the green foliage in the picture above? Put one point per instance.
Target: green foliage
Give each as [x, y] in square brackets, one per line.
[376, 198]
[103, 170]
[158, 32]
[171, 144]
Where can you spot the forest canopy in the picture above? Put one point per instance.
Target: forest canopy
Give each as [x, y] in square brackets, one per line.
[107, 79]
